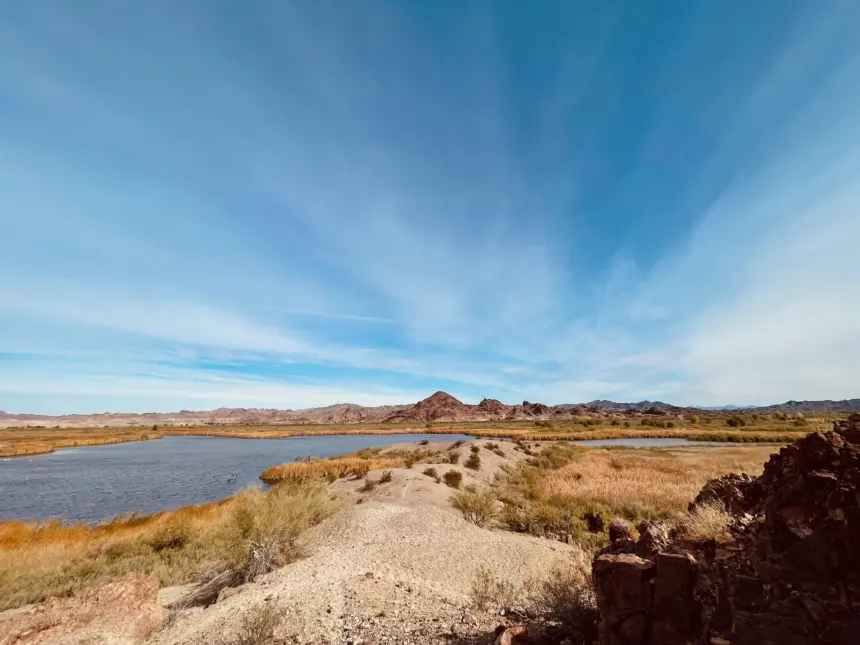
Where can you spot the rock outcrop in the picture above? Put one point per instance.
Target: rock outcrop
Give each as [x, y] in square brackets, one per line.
[787, 570]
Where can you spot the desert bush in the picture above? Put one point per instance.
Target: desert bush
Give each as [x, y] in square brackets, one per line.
[260, 533]
[704, 522]
[369, 486]
[453, 478]
[475, 449]
[694, 418]
[491, 445]
[262, 529]
[735, 421]
[492, 592]
[800, 421]
[453, 457]
[566, 596]
[473, 462]
[626, 424]
[479, 508]
[455, 445]
[543, 424]
[431, 472]
[423, 442]
[385, 478]
[256, 627]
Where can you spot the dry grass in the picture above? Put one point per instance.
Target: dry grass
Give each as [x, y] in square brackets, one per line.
[705, 522]
[257, 627]
[566, 596]
[550, 494]
[563, 595]
[356, 464]
[53, 559]
[330, 469]
[491, 591]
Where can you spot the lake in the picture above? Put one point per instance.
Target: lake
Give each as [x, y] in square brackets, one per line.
[97, 482]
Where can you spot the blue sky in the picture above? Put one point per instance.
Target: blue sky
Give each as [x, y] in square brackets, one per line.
[290, 204]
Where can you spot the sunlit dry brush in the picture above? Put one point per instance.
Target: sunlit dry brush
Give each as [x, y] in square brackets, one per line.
[356, 464]
[38, 560]
[552, 493]
[648, 482]
[329, 469]
[704, 522]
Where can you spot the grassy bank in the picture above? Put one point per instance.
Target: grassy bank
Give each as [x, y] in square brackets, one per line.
[38, 560]
[356, 464]
[573, 491]
[16, 442]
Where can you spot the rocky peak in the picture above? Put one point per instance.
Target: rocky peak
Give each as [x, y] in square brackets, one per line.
[440, 398]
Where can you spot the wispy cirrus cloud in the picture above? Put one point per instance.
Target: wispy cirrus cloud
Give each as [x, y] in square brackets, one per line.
[318, 202]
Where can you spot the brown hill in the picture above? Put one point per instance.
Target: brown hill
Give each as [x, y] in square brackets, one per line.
[439, 407]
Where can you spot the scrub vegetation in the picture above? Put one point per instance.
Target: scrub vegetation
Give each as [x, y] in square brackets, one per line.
[232, 540]
[573, 493]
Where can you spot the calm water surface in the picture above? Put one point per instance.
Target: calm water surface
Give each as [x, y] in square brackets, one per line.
[96, 482]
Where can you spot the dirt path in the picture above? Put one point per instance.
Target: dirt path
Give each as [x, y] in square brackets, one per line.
[398, 567]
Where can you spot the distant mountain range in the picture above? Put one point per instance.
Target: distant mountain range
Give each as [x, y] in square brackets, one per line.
[438, 407]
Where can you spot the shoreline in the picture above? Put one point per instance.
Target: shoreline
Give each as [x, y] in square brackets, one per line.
[111, 436]
[160, 536]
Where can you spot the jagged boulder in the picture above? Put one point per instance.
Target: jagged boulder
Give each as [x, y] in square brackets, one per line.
[786, 572]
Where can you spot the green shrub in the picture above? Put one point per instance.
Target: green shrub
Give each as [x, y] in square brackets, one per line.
[453, 478]
[477, 508]
[473, 462]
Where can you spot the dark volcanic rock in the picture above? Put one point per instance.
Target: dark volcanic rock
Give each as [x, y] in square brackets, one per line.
[788, 570]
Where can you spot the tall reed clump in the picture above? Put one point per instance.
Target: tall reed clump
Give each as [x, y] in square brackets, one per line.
[356, 464]
[329, 469]
[38, 560]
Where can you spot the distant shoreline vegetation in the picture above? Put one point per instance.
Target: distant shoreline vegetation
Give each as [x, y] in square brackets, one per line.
[729, 427]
